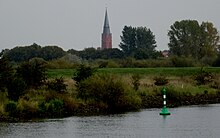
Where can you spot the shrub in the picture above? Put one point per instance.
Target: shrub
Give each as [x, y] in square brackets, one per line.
[112, 64]
[173, 94]
[136, 81]
[17, 88]
[70, 105]
[130, 101]
[208, 61]
[61, 63]
[55, 107]
[183, 62]
[57, 85]
[103, 64]
[33, 72]
[42, 107]
[160, 80]
[6, 73]
[203, 77]
[107, 89]
[217, 61]
[216, 84]
[27, 108]
[11, 108]
[82, 73]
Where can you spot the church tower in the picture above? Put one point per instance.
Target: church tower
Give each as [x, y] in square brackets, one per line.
[106, 35]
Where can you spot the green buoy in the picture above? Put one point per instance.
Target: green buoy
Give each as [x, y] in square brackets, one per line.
[164, 109]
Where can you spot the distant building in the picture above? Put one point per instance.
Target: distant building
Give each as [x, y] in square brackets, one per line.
[165, 53]
[106, 35]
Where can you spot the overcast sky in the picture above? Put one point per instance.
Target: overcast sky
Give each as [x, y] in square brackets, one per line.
[77, 24]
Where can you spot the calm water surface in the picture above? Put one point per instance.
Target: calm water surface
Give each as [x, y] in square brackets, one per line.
[185, 122]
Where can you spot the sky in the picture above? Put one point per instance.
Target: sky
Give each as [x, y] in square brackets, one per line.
[78, 24]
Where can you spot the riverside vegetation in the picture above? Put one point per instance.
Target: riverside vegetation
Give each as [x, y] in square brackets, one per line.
[27, 92]
[103, 81]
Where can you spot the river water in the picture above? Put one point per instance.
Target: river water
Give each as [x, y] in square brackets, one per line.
[184, 122]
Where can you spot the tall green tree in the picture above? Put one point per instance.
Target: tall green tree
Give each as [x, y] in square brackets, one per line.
[190, 39]
[209, 41]
[128, 40]
[184, 38]
[138, 42]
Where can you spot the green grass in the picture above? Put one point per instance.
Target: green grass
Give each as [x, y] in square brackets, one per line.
[187, 71]
[55, 73]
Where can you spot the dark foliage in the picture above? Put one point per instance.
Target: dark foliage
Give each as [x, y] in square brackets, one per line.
[11, 108]
[17, 88]
[92, 53]
[190, 39]
[82, 73]
[20, 54]
[55, 107]
[136, 81]
[138, 42]
[57, 85]
[51, 53]
[33, 72]
[108, 90]
[203, 77]
[6, 73]
[217, 61]
[160, 80]
[183, 62]
[10, 81]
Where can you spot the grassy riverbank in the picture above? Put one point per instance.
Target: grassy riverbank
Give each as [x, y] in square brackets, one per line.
[112, 90]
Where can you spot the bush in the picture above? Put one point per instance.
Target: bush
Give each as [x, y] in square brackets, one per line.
[160, 80]
[61, 63]
[33, 72]
[57, 85]
[103, 64]
[208, 61]
[70, 105]
[6, 73]
[55, 107]
[184, 62]
[216, 84]
[112, 64]
[17, 88]
[135, 81]
[131, 101]
[217, 61]
[203, 77]
[42, 107]
[82, 73]
[11, 108]
[107, 89]
[28, 108]
[173, 94]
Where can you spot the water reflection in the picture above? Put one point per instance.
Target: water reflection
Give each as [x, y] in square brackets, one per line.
[193, 121]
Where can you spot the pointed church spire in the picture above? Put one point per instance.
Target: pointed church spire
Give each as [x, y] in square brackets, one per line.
[106, 27]
[106, 35]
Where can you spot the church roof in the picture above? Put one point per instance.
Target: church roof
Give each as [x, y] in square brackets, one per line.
[106, 27]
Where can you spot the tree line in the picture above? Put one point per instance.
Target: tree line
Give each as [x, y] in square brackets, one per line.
[187, 39]
[25, 53]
